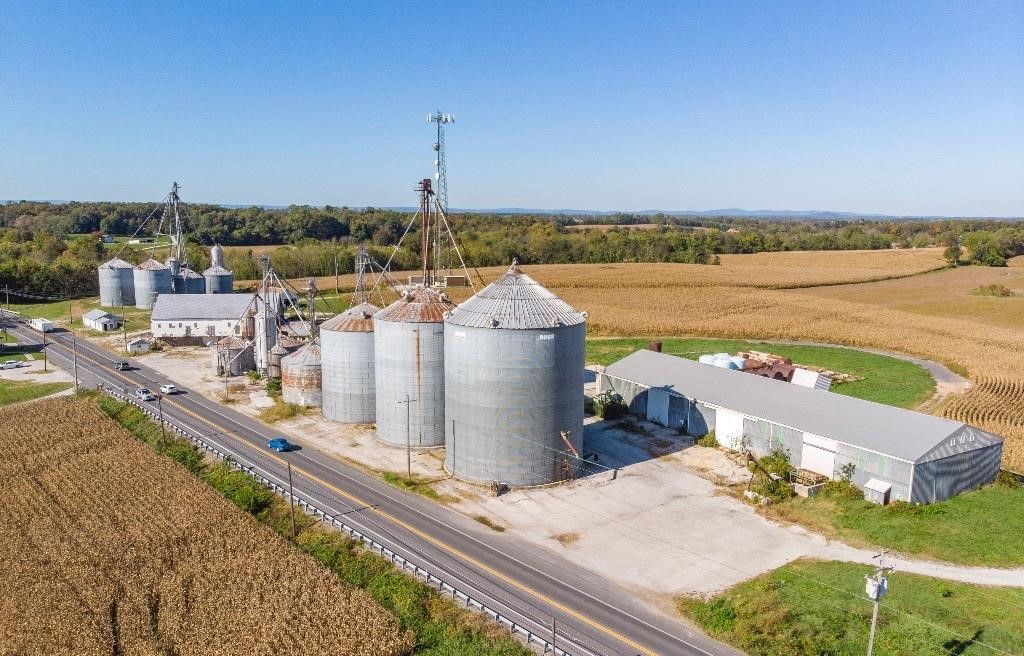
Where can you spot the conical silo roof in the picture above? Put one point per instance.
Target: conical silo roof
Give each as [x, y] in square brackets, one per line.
[189, 273]
[515, 301]
[216, 271]
[116, 263]
[152, 265]
[356, 319]
[232, 342]
[420, 305]
[307, 356]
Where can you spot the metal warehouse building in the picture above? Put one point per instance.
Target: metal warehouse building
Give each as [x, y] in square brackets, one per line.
[900, 454]
[183, 319]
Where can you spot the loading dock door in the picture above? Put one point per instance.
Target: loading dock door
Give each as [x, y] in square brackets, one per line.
[818, 455]
[657, 406]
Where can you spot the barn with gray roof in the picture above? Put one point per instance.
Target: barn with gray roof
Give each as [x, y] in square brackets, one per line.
[897, 454]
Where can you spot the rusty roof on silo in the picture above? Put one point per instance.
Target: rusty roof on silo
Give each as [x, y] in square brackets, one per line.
[515, 301]
[307, 356]
[420, 305]
[232, 342]
[356, 319]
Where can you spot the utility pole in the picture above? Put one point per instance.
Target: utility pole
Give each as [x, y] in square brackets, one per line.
[876, 585]
[291, 495]
[337, 285]
[74, 350]
[160, 406]
[43, 330]
[124, 326]
[554, 634]
[408, 438]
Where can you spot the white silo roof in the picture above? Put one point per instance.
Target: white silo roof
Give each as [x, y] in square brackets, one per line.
[515, 301]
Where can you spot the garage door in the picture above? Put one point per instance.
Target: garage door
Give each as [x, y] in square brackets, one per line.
[818, 455]
[729, 428]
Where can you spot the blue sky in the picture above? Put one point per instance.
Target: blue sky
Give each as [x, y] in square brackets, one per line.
[893, 107]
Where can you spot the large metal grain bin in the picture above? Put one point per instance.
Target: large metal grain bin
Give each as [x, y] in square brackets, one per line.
[189, 282]
[300, 377]
[513, 361]
[409, 369]
[277, 353]
[151, 278]
[346, 355]
[117, 283]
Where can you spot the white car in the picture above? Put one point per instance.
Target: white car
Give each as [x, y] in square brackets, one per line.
[144, 394]
[168, 389]
[11, 364]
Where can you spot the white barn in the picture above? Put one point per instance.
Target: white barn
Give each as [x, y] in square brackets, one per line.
[198, 318]
[897, 454]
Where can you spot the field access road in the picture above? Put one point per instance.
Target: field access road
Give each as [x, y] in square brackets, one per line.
[529, 585]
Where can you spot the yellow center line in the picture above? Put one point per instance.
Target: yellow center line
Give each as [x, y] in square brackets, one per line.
[412, 529]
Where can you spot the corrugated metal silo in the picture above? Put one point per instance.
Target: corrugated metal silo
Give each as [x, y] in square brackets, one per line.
[235, 354]
[189, 282]
[219, 280]
[277, 353]
[151, 278]
[346, 355]
[117, 283]
[409, 365]
[301, 377]
[513, 361]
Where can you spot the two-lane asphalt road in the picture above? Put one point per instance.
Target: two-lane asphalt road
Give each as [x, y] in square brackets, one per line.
[523, 582]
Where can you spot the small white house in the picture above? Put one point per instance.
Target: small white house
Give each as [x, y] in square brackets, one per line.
[139, 345]
[100, 320]
[42, 325]
[187, 318]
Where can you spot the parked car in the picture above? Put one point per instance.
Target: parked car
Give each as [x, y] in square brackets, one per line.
[144, 394]
[11, 364]
[279, 444]
[168, 389]
[121, 365]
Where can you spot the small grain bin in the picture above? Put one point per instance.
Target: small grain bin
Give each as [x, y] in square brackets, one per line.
[409, 369]
[346, 355]
[151, 278]
[301, 377]
[189, 282]
[513, 360]
[233, 354]
[117, 283]
[218, 279]
[277, 352]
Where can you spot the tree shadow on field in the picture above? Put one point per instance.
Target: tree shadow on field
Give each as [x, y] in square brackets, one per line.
[957, 647]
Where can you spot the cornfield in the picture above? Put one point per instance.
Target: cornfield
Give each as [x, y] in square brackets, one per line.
[109, 548]
[785, 296]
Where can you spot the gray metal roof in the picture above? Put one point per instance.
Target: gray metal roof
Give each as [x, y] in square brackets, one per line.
[116, 263]
[174, 307]
[515, 301]
[903, 434]
[152, 265]
[216, 270]
[93, 315]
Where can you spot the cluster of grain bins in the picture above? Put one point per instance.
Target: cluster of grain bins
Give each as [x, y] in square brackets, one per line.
[123, 284]
[497, 381]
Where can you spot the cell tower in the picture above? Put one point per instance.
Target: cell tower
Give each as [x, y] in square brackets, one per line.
[440, 175]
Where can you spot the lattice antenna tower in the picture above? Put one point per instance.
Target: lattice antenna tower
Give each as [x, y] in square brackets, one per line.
[172, 217]
[441, 189]
[362, 260]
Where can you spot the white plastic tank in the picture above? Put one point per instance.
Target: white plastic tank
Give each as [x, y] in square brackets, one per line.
[706, 359]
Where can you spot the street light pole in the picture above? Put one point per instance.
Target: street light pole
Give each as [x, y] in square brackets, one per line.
[877, 584]
[42, 327]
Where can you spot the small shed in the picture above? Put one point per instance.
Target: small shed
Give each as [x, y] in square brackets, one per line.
[139, 345]
[99, 320]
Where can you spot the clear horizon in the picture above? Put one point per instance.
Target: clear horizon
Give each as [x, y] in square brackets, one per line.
[910, 109]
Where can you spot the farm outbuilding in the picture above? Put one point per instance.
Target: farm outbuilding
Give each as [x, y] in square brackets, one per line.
[897, 454]
[195, 319]
[100, 320]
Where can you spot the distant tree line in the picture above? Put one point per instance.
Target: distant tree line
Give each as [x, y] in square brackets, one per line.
[53, 249]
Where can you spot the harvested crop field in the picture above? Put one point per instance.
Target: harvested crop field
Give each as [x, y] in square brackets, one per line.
[110, 548]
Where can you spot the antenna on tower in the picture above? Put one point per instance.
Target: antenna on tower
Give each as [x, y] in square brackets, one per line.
[440, 174]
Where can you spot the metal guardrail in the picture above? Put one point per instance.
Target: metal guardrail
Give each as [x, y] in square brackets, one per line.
[443, 587]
